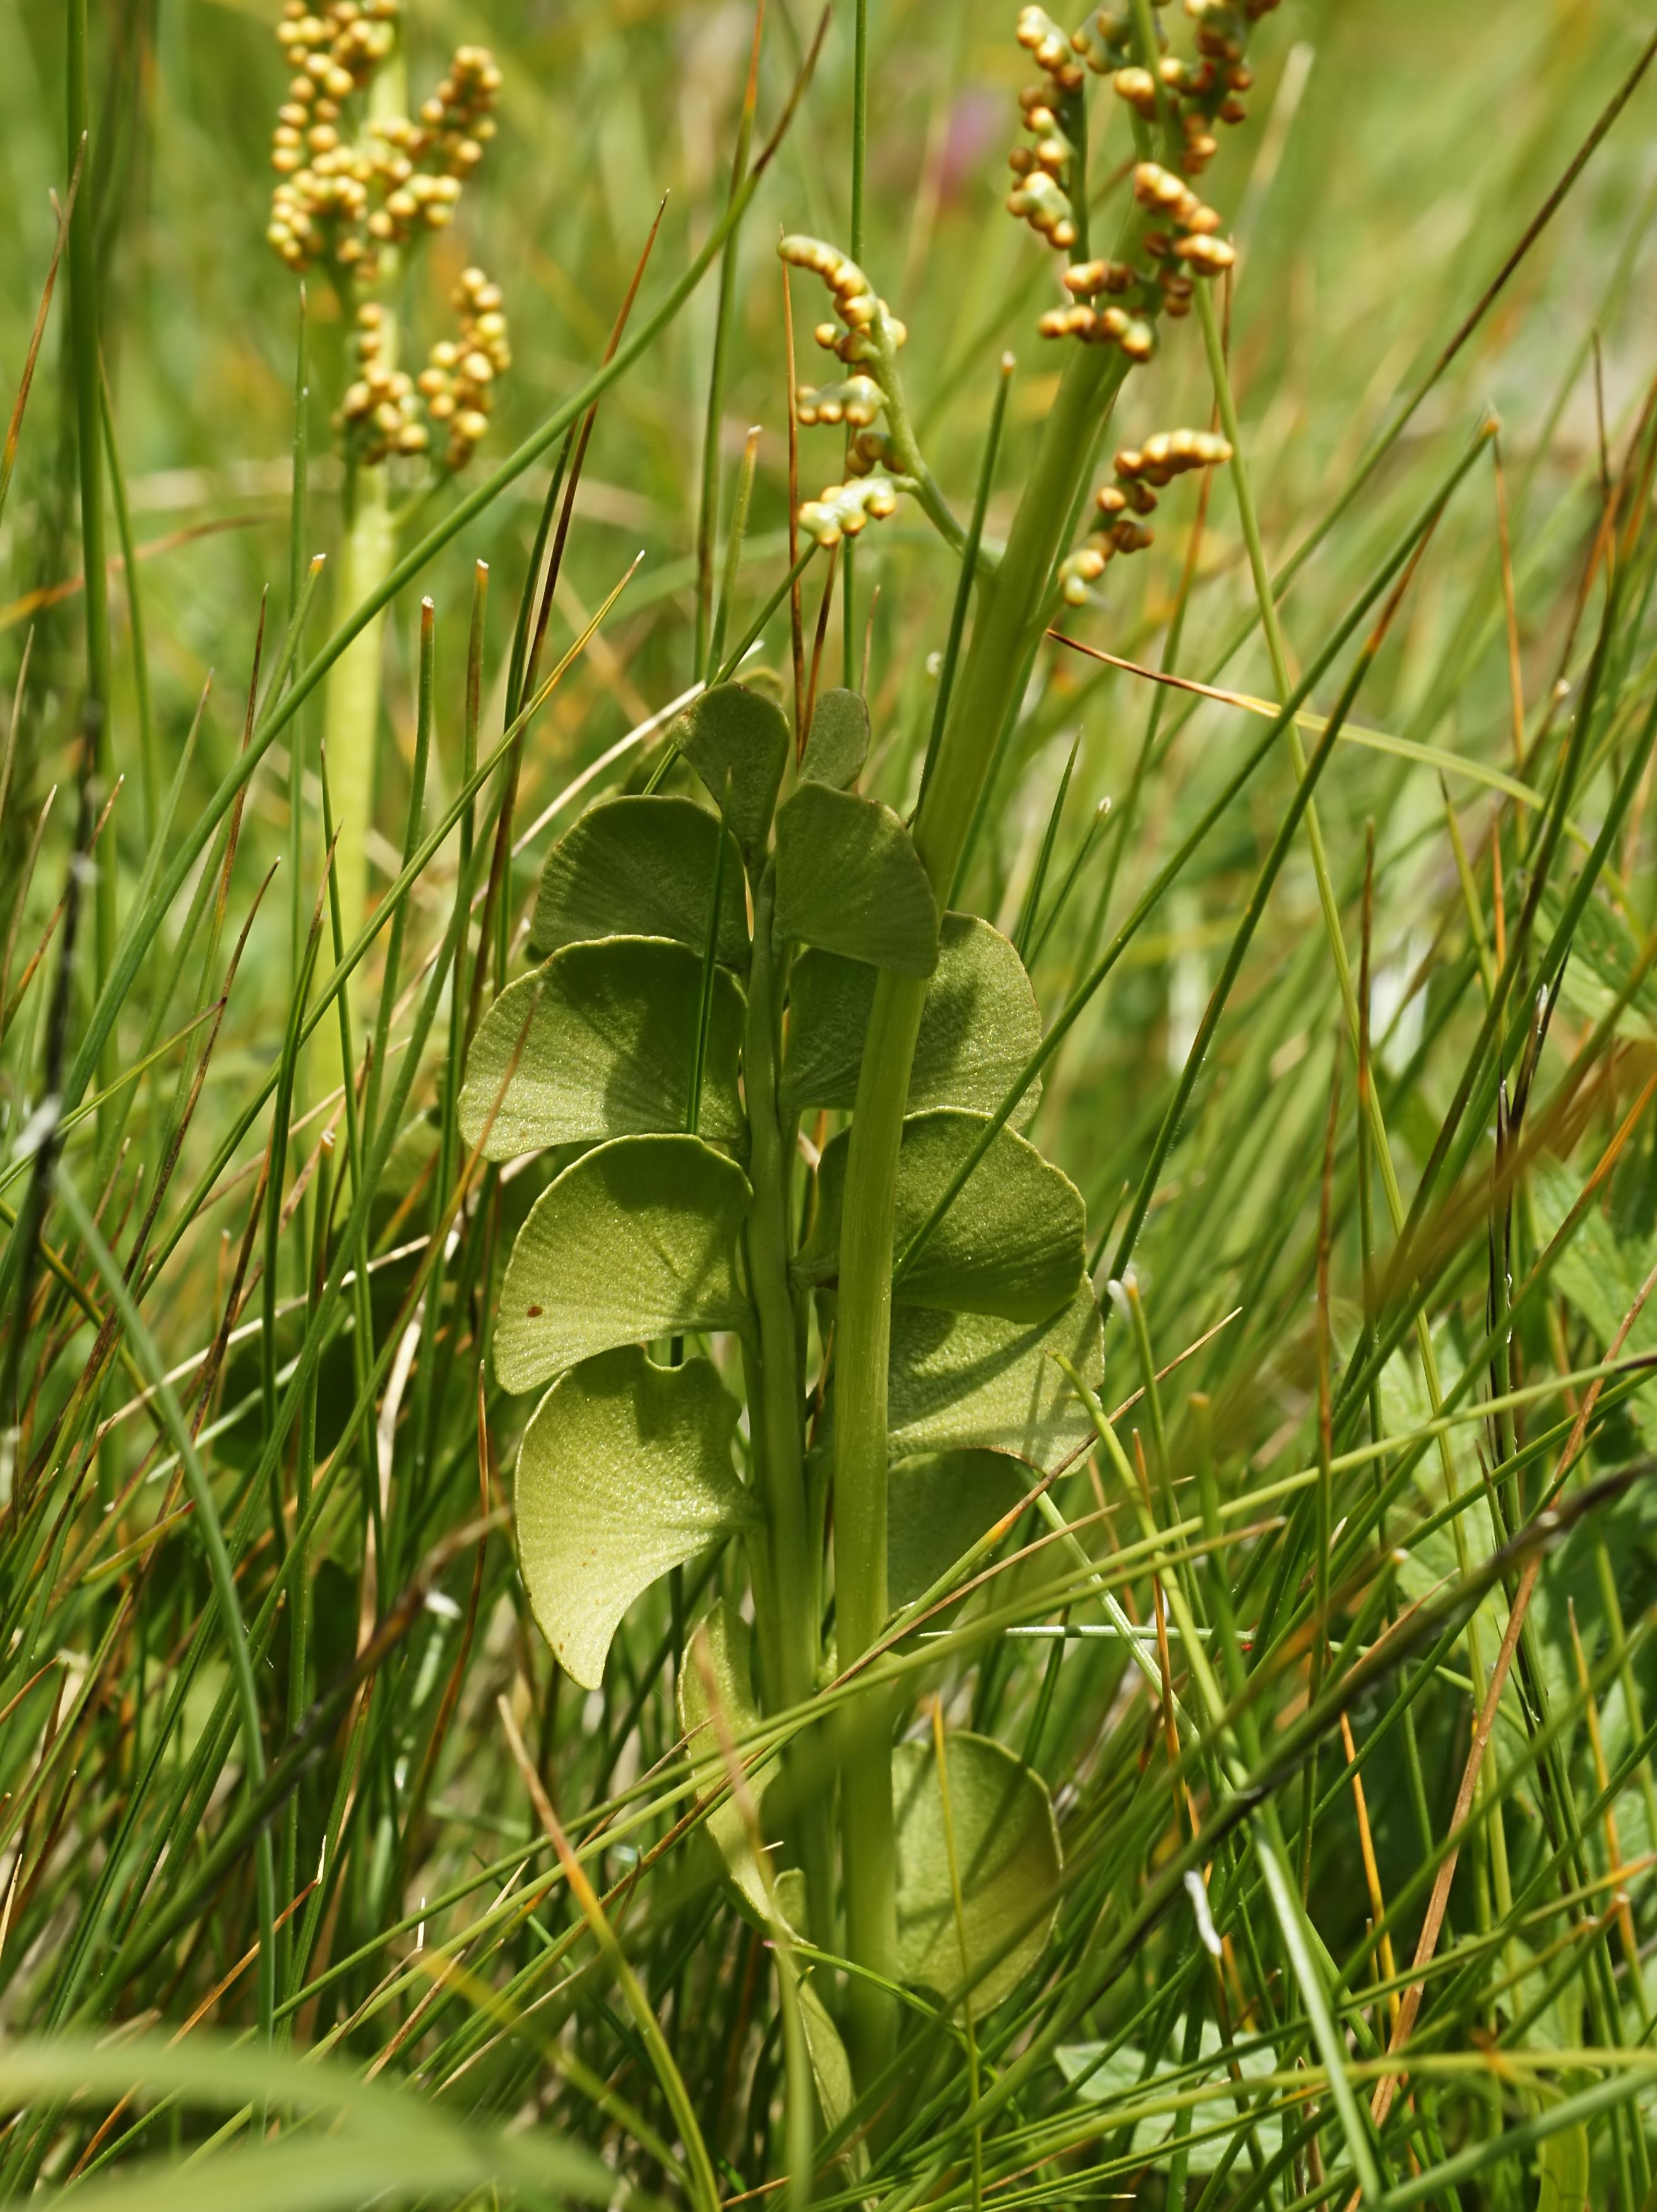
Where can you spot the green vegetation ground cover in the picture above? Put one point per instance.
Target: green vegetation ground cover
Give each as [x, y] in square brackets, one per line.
[946, 1500]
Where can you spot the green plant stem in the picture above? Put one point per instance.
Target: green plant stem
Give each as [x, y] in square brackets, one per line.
[789, 1638]
[150, 783]
[298, 531]
[351, 718]
[859, 161]
[969, 572]
[88, 433]
[707, 530]
[733, 555]
[1010, 620]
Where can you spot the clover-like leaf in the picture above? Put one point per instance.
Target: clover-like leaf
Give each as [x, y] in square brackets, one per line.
[849, 880]
[938, 1505]
[960, 1382]
[600, 1042]
[634, 1240]
[737, 741]
[641, 865]
[1010, 1244]
[838, 744]
[978, 1028]
[624, 1472]
[1006, 1858]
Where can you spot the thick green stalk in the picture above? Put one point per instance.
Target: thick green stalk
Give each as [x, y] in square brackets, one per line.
[791, 1585]
[351, 716]
[1010, 619]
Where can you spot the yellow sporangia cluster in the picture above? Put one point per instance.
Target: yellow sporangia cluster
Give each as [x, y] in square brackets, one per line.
[1197, 94]
[1194, 96]
[1053, 113]
[457, 382]
[864, 336]
[385, 410]
[1140, 472]
[1187, 249]
[344, 197]
[844, 509]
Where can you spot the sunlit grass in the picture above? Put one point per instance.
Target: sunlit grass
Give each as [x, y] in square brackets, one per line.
[318, 1880]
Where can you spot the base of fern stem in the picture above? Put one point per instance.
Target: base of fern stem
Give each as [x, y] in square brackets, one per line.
[788, 1605]
[861, 1605]
[1010, 621]
[351, 742]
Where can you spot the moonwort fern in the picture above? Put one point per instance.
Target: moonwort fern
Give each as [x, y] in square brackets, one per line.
[848, 1364]
[673, 1044]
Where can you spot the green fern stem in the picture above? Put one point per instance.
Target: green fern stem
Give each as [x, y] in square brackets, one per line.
[351, 711]
[1012, 613]
[351, 715]
[788, 1596]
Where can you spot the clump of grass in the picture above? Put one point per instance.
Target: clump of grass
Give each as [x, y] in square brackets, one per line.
[861, 1416]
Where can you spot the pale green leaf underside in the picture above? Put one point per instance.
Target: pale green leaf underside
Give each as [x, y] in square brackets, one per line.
[1119, 2078]
[838, 744]
[737, 741]
[641, 865]
[849, 880]
[1006, 1858]
[718, 1669]
[938, 1505]
[634, 1240]
[600, 1042]
[830, 2069]
[973, 1380]
[980, 1027]
[624, 1472]
[1011, 1244]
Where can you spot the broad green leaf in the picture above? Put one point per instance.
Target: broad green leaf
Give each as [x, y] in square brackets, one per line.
[634, 1240]
[980, 1027]
[960, 1381]
[1006, 1857]
[937, 1507]
[640, 867]
[1011, 1243]
[1564, 2167]
[724, 1640]
[1101, 2076]
[838, 744]
[737, 741]
[600, 1042]
[623, 1473]
[849, 880]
